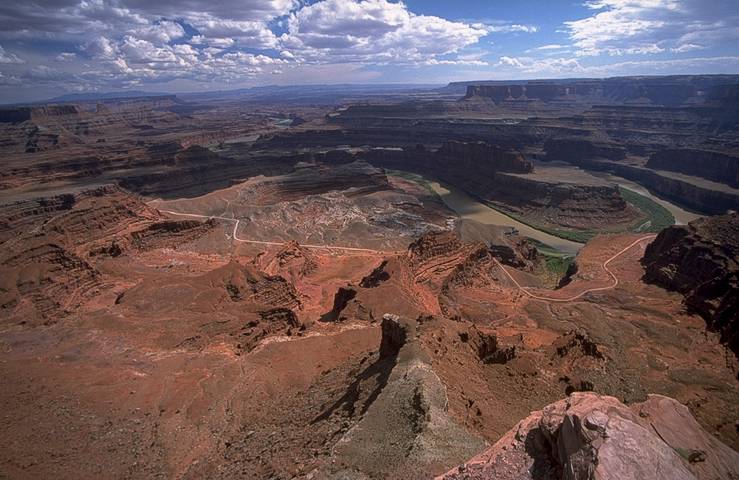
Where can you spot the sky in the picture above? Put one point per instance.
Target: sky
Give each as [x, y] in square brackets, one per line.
[53, 47]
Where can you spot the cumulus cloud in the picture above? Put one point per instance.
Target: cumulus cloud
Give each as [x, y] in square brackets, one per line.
[161, 32]
[100, 47]
[127, 42]
[541, 67]
[217, 42]
[373, 31]
[621, 27]
[248, 33]
[249, 10]
[122, 43]
[510, 62]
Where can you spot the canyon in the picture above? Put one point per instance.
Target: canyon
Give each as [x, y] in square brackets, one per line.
[482, 280]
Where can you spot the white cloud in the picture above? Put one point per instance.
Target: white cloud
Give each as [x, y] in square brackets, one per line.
[510, 62]
[65, 56]
[218, 42]
[528, 67]
[460, 61]
[552, 46]
[100, 48]
[373, 31]
[7, 57]
[6, 80]
[687, 47]
[620, 27]
[160, 32]
[249, 33]
[686, 66]
[251, 10]
[512, 28]
[541, 67]
[123, 43]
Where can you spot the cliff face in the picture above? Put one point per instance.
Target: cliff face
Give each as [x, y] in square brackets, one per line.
[21, 114]
[50, 247]
[715, 166]
[668, 91]
[470, 165]
[567, 205]
[359, 176]
[701, 261]
[576, 150]
[607, 157]
[483, 155]
[592, 436]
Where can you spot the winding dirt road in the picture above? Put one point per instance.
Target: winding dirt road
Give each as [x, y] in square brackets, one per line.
[584, 292]
[262, 242]
[369, 250]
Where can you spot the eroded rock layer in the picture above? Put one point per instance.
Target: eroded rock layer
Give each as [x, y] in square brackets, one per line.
[701, 261]
[592, 436]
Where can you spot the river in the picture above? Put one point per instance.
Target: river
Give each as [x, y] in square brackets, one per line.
[469, 208]
[681, 216]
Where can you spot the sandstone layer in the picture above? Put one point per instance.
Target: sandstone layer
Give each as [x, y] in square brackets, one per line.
[593, 436]
[701, 261]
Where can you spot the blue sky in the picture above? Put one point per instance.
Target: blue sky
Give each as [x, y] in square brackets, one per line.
[53, 47]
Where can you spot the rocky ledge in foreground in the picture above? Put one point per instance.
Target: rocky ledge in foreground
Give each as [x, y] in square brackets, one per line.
[589, 436]
[701, 261]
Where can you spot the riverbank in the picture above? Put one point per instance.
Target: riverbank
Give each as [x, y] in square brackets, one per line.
[470, 208]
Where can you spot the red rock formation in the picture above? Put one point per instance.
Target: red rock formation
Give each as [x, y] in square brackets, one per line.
[292, 261]
[701, 261]
[244, 283]
[592, 436]
[49, 245]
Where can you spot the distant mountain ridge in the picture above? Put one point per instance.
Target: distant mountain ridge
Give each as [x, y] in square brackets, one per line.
[92, 96]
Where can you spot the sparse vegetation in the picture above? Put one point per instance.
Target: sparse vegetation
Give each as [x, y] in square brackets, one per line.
[580, 236]
[658, 217]
[558, 264]
[415, 178]
[555, 265]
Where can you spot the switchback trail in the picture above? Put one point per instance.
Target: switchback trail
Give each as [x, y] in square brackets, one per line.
[524, 290]
[584, 292]
[262, 242]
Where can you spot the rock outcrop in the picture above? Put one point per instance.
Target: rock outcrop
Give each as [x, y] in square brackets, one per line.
[588, 436]
[406, 430]
[681, 189]
[715, 166]
[701, 261]
[22, 114]
[568, 205]
[50, 245]
[454, 161]
[291, 261]
[668, 91]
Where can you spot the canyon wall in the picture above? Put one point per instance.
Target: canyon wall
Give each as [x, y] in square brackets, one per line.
[701, 261]
[669, 91]
[606, 157]
[715, 166]
[564, 204]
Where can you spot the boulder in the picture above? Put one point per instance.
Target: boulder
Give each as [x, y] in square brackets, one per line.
[590, 436]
